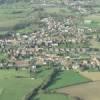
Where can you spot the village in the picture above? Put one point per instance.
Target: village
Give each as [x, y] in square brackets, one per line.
[52, 49]
[60, 40]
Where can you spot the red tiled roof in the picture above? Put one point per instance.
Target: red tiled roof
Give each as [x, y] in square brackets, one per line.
[22, 63]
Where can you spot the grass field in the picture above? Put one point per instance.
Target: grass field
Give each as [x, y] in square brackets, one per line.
[57, 10]
[93, 17]
[17, 13]
[87, 91]
[95, 20]
[14, 88]
[67, 78]
[13, 14]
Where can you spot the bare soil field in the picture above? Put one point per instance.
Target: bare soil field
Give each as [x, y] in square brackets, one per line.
[88, 91]
[94, 76]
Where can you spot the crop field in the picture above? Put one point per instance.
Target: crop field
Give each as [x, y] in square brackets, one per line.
[13, 14]
[94, 76]
[23, 13]
[88, 91]
[39, 19]
[93, 17]
[57, 10]
[14, 85]
[53, 97]
[67, 78]
[95, 20]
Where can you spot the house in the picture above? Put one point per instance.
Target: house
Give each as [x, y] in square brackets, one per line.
[1, 65]
[75, 66]
[22, 64]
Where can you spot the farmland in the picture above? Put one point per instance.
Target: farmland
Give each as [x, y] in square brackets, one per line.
[88, 91]
[49, 50]
[94, 76]
[53, 97]
[11, 86]
[13, 14]
[60, 81]
[67, 78]
[14, 85]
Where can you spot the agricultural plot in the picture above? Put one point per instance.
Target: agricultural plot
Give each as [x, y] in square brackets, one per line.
[67, 78]
[93, 17]
[14, 85]
[95, 21]
[94, 76]
[53, 97]
[88, 91]
[12, 15]
[58, 10]
[95, 24]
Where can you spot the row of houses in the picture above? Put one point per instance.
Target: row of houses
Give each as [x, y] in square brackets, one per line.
[21, 49]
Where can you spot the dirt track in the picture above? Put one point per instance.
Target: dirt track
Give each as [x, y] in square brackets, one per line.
[88, 91]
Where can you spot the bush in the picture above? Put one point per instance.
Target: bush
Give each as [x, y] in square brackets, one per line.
[32, 94]
[50, 79]
[22, 25]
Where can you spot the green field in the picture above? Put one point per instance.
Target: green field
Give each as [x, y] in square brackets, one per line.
[95, 20]
[14, 14]
[67, 78]
[21, 14]
[14, 85]
[58, 10]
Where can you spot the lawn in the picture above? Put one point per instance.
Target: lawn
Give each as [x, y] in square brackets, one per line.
[67, 78]
[14, 85]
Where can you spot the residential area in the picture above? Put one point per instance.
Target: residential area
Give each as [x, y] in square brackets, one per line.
[48, 48]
